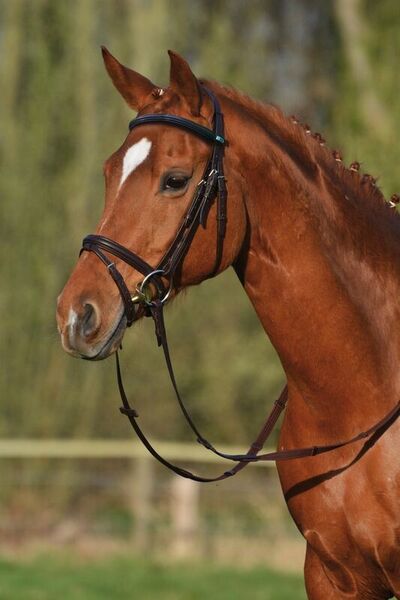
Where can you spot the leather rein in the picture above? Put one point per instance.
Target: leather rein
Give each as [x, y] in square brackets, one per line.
[152, 294]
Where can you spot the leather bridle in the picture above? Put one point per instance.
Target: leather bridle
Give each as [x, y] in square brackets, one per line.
[211, 184]
[152, 294]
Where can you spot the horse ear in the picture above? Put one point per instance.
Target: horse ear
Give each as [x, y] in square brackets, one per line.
[132, 86]
[184, 82]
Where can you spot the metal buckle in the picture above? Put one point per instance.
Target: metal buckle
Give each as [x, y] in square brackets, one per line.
[138, 298]
[143, 292]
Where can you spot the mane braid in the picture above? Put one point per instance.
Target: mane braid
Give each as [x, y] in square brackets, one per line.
[309, 150]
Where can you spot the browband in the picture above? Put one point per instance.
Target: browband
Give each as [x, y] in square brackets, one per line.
[180, 122]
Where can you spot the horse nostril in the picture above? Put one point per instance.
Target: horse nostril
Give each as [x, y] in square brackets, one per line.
[89, 320]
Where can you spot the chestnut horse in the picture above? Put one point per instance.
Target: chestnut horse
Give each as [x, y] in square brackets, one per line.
[318, 253]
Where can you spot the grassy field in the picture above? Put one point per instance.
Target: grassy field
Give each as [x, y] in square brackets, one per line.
[66, 576]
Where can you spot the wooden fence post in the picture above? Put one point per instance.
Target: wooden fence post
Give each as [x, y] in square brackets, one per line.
[185, 541]
[140, 492]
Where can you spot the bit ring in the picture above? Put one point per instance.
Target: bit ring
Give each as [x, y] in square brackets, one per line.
[141, 293]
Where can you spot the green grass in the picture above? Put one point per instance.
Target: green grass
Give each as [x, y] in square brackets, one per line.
[125, 578]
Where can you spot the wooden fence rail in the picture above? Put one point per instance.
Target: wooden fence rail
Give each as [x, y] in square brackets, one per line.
[102, 448]
[184, 506]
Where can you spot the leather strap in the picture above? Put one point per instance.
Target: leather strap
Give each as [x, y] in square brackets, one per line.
[252, 455]
[215, 136]
[132, 415]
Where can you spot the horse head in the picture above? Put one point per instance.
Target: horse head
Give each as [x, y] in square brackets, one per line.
[151, 182]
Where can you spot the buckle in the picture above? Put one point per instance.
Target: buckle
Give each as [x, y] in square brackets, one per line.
[144, 293]
[129, 412]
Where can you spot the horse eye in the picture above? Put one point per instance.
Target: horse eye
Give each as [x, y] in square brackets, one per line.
[175, 182]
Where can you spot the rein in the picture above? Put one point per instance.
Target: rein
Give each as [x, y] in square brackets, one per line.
[152, 294]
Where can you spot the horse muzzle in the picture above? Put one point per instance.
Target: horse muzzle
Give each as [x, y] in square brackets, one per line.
[84, 333]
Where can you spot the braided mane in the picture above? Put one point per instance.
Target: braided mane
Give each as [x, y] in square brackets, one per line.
[309, 150]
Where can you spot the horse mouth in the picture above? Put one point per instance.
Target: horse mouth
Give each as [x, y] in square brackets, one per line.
[112, 343]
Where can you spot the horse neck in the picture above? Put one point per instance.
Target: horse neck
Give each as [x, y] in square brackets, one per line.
[322, 282]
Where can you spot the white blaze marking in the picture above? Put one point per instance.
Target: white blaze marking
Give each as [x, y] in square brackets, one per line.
[70, 330]
[134, 156]
[72, 319]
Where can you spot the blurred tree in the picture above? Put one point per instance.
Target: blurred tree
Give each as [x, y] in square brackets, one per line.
[366, 111]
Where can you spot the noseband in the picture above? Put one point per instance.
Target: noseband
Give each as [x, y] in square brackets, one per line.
[152, 294]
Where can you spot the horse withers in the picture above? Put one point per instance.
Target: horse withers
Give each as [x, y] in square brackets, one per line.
[317, 250]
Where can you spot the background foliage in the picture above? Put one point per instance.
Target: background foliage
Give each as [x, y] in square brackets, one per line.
[332, 63]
